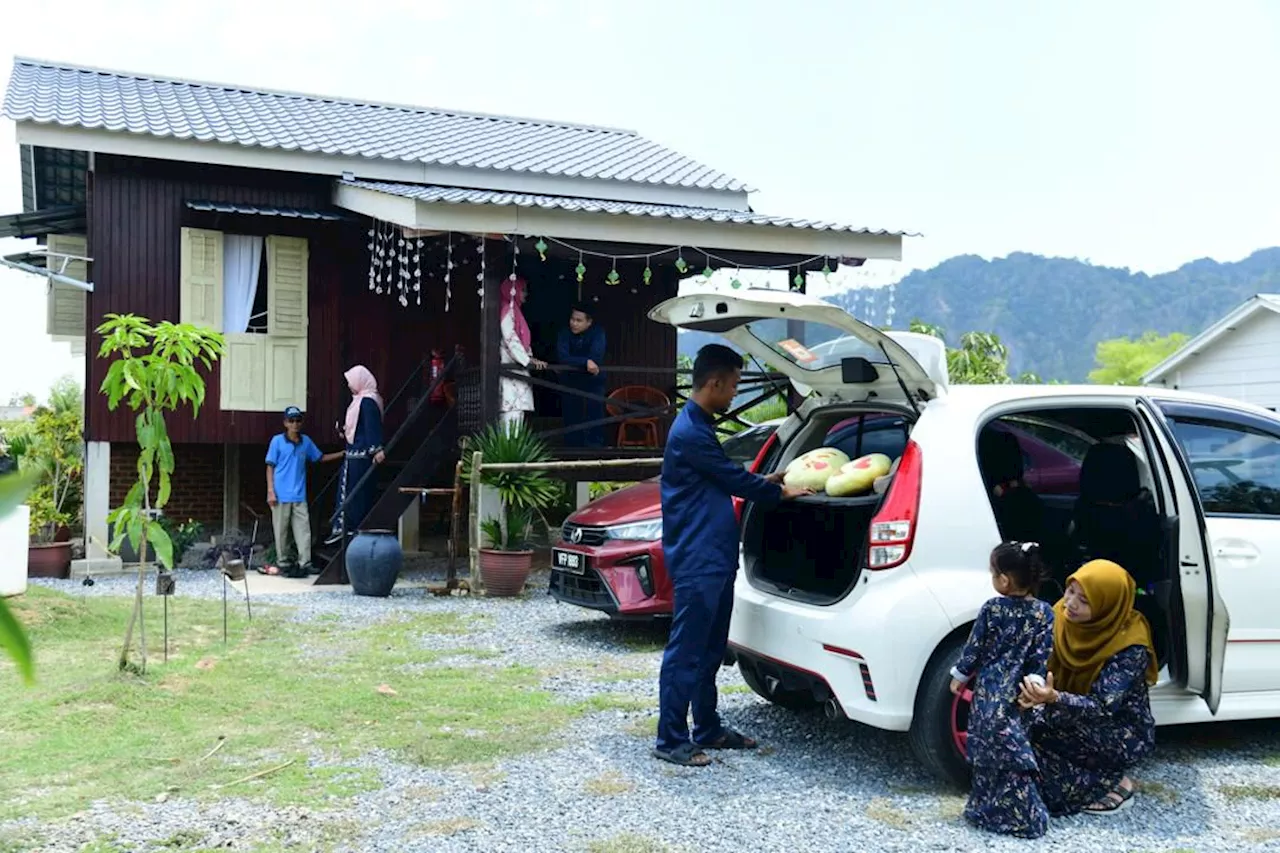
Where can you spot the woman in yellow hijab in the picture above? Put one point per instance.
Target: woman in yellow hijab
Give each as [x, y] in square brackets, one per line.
[1092, 720]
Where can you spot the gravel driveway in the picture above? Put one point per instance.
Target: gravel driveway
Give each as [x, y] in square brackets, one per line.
[815, 786]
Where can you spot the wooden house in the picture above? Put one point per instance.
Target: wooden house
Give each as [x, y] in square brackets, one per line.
[319, 233]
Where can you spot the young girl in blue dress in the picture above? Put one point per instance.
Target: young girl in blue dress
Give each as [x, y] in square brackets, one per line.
[1011, 640]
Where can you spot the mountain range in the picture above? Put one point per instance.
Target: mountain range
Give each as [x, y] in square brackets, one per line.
[1052, 312]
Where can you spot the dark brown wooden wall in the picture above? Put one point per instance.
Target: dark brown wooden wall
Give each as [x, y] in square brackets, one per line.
[136, 212]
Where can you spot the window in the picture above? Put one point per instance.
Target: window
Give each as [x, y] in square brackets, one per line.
[1051, 456]
[863, 435]
[1236, 468]
[745, 446]
[254, 291]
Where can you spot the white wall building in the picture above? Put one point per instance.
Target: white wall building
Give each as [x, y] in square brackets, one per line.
[1237, 357]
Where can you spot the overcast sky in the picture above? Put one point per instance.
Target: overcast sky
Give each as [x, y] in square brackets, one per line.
[1140, 133]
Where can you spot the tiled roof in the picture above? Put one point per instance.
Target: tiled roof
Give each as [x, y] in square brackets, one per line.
[454, 195]
[90, 98]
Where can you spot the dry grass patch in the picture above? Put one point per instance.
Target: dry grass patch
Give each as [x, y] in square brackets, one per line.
[1158, 791]
[444, 828]
[630, 842]
[609, 784]
[883, 811]
[1250, 792]
[645, 727]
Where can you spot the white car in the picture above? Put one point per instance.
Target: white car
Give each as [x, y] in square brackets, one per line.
[860, 605]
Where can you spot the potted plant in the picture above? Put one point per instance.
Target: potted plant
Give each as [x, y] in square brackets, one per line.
[506, 558]
[51, 445]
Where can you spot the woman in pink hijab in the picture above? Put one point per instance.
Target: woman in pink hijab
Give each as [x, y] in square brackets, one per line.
[516, 396]
[362, 428]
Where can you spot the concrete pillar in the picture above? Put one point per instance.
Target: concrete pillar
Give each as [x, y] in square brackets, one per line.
[230, 488]
[410, 537]
[97, 503]
[97, 497]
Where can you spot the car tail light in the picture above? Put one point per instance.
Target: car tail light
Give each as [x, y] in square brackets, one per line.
[893, 529]
[755, 467]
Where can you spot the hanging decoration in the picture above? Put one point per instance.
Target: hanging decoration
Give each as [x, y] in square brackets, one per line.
[613, 278]
[480, 275]
[515, 258]
[889, 310]
[580, 270]
[373, 258]
[417, 270]
[541, 247]
[797, 283]
[448, 270]
[826, 270]
[682, 266]
[648, 271]
[734, 282]
[707, 271]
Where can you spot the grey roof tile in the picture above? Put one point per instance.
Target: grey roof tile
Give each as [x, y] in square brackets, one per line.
[72, 96]
[456, 195]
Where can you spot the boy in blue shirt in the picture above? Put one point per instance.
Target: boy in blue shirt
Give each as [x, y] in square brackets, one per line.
[287, 459]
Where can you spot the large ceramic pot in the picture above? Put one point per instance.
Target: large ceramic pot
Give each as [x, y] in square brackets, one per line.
[505, 572]
[374, 559]
[49, 560]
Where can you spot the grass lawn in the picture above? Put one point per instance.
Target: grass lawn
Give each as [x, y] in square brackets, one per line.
[278, 692]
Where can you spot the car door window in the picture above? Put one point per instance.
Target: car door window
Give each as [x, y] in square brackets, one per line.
[1051, 457]
[1236, 468]
[745, 446]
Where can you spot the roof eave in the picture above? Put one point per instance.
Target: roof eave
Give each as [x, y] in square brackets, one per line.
[1197, 345]
[616, 228]
[97, 141]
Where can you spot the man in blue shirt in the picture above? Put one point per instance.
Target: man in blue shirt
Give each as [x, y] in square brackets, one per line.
[287, 459]
[700, 549]
[581, 347]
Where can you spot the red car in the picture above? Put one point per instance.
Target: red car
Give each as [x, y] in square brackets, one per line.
[609, 557]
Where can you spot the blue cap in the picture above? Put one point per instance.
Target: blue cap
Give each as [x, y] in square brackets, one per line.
[292, 412]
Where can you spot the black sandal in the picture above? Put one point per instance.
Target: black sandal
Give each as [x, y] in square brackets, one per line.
[685, 755]
[731, 739]
[1117, 799]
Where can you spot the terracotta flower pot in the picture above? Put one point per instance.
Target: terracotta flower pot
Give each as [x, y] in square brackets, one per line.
[49, 560]
[504, 572]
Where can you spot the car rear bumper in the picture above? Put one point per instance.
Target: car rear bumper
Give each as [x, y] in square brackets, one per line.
[860, 649]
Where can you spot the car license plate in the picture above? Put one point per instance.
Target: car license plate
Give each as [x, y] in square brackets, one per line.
[568, 561]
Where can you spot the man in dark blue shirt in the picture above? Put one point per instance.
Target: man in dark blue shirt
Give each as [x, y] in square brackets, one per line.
[700, 549]
[581, 347]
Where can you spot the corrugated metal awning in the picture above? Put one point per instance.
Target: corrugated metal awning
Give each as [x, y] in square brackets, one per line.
[264, 210]
[39, 223]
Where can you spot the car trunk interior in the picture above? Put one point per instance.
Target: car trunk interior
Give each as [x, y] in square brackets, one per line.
[812, 548]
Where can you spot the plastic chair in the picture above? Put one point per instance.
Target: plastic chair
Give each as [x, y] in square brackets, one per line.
[646, 426]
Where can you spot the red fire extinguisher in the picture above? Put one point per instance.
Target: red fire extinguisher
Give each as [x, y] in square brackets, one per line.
[437, 367]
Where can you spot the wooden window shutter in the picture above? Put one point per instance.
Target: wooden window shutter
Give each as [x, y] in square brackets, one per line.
[67, 303]
[244, 377]
[201, 277]
[287, 286]
[286, 372]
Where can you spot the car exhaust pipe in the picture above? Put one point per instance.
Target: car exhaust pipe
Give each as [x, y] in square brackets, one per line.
[833, 710]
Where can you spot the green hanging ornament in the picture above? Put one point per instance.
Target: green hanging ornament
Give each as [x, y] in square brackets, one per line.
[707, 271]
[613, 278]
[581, 270]
[541, 247]
[735, 284]
[682, 266]
[648, 273]
[826, 270]
[797, 283]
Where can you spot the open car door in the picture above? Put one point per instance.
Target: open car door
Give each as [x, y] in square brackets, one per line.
[1205, 615]
[815, 344]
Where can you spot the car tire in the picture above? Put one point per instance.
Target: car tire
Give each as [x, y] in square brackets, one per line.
[793, 700]
[933, 726]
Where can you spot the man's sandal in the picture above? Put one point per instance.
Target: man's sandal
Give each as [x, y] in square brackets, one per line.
[685, 755]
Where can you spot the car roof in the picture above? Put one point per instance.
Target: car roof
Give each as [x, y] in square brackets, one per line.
[990, 395]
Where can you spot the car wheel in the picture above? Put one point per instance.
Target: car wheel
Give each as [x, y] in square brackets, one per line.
[795, 700]
[939, 727]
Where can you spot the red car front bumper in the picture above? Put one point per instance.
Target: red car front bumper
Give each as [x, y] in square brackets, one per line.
[611, 579]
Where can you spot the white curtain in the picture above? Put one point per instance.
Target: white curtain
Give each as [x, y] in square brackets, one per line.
[241, 260]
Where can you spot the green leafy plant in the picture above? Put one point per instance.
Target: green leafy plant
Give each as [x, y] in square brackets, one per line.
[14, 487]
[182, 534]
[52, 445]
[153, 370]
[524, 492]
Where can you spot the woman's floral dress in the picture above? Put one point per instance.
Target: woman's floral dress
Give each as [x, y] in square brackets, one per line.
[1086, 744]
[1011, 639]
